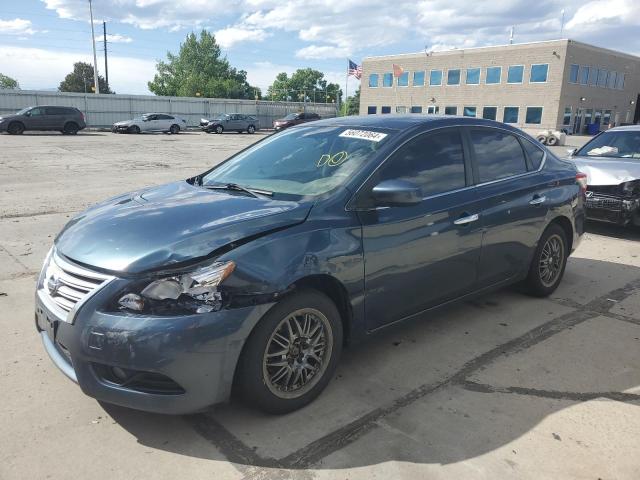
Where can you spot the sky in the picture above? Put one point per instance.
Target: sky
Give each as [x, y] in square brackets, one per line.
[41, 39]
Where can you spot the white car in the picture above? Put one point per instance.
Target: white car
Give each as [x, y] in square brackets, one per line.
[151, 122]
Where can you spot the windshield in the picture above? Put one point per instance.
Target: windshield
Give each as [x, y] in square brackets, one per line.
[23, 111]
[291, 116]
[304, 161]
[620, 144]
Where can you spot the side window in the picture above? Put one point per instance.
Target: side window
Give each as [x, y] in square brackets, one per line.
[497, 154]
[37, 111]
[434, 161]
[534, 152]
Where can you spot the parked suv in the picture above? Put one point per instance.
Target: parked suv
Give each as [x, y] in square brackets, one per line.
[68, 120]
[231, 122]
[252, 274]
[294, 119]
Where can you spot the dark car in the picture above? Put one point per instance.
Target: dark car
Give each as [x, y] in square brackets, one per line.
[294, 119]
[230, 122]
[255, 273]
[611, 163]
[68, 120]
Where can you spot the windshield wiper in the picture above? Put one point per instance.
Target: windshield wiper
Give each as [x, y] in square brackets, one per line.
[254, 192]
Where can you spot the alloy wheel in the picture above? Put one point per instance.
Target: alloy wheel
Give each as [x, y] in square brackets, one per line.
[551, 260]
[297, 353]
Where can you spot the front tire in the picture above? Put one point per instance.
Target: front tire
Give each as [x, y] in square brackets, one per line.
[548, 263]
[292, 353]
[133, 129]
[219, 129]
[15, 128]
[174, 130]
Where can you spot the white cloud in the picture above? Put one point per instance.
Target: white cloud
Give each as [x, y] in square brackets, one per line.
[17, 26]
[228, 37]
[118, 38]
[126, 75]
[320, 52]
[598, 14]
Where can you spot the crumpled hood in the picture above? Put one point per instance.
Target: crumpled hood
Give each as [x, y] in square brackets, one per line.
[608, 170]
[169, 224]
[124, 123]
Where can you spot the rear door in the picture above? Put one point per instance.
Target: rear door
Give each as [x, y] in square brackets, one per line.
[419, 256]
[514, 202]
[55, 117]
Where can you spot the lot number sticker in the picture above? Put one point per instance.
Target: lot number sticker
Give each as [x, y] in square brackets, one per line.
[364, 135]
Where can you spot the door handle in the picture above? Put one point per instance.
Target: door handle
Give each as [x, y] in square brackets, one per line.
[467, 219]
[537, 200]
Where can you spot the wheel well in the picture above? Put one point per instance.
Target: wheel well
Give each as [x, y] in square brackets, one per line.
[16, 122]
[333, 289]
[565, 224]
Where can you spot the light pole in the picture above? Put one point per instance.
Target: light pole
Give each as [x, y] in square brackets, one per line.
[95, 59]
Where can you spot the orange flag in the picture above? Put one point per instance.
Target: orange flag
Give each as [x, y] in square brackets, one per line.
[397, 70]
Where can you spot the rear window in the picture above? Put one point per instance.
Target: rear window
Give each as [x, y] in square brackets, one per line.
[498, 154]
[534, 152]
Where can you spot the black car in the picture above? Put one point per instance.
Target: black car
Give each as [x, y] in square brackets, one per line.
[294, 119]
[256, 273]
[68, 120]
[230, 122]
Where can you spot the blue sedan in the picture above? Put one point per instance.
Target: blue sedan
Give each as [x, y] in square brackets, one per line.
[254, 275]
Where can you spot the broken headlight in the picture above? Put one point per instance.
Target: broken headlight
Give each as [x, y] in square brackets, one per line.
[631, 188]
[195, 291]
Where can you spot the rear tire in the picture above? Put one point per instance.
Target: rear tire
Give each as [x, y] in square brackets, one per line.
[175, 129]
[15, 128]
[133, 129]
[292, 353]
[548, 263]
[70, 128]
[552, 140]
[251, 129]
[542, 139]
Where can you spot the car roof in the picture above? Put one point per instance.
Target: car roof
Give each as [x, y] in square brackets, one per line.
[625, 128]
[403, 122]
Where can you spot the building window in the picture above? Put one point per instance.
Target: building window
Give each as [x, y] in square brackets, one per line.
[401, 109]
[433, 109]
[510, 115]
[403, 79]
[587, 116]
[573, 73]
[418, 79]
[416, 109]
[385, 110]
[494, 75]
[539, 73]
[469, 111]
[453, 77]
[612, 79]
[373, 80]
[533, 115]
[387, 80]
[372, 110]
[602, 77]
[584, 75]
[593, 76]
[490, 113]
[473, 76]
[435, 77]
[566, 118]
[606, 119]
[620, 81]
[515, 74]
[450, 110]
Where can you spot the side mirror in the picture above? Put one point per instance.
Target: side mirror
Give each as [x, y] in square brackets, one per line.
[396, 193]
[27, 114]
[571, 151]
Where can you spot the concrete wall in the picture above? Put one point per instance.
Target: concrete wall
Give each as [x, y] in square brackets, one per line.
[526, 94]
[105, 110]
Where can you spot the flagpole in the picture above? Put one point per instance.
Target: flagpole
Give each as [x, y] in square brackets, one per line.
[346, 90]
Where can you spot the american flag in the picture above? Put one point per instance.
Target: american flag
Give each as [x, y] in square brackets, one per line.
[355, 70]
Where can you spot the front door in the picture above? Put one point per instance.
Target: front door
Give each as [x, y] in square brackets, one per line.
[419, 256]
[514, 202]
[37, 119]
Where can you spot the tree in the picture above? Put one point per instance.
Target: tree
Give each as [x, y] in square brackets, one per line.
[81, 80]
[8, 82]
[304, 81]
[199, 69]
[352, 105]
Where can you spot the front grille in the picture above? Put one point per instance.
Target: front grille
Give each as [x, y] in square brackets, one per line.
[607, 203]
[66, 285]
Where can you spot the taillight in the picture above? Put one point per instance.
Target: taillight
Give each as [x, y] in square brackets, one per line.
[82, 116]
[581, 179]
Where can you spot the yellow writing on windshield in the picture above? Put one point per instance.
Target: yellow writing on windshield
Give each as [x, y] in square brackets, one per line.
[332, 160]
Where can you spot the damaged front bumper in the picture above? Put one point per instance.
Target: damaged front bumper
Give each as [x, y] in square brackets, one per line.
[165, 364]
[612, 208]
